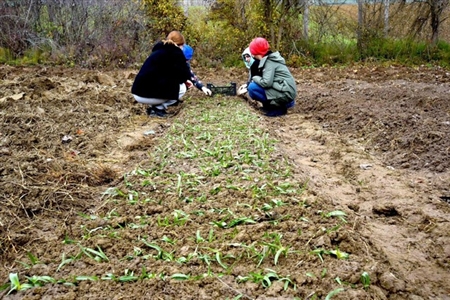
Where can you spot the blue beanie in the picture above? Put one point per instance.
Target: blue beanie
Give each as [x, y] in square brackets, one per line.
[188, 51]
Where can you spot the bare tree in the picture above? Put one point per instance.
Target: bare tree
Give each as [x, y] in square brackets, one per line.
[282, 19]
[436, 9]
[306, 19]
[386, 17]
[15, 25]
[84, 31]
[428, 13]
[360, 21]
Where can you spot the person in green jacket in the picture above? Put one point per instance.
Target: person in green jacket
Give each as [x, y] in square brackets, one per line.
[275, 88]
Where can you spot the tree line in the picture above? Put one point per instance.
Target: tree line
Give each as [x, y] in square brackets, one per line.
[100, 33]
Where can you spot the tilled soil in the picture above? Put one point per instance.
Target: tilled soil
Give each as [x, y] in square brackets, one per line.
[372, 141]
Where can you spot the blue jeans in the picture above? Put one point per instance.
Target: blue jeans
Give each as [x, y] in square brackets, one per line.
[256, 92]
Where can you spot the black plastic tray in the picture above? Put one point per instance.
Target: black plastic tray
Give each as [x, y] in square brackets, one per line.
[229, 90]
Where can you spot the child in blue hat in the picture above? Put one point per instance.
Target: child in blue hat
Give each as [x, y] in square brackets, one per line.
[189, 53]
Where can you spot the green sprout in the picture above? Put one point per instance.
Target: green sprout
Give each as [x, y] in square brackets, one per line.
[333, 293]
[16, 285]
[97, 255]
[365, 280]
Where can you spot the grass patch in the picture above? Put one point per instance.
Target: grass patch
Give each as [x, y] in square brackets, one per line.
[215, 198]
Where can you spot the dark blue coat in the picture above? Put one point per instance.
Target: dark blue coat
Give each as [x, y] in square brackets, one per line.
[162, 73]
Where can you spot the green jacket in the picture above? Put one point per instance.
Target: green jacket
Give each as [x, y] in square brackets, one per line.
[276, 79]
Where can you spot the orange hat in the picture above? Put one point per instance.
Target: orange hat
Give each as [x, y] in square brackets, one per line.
[259, 46]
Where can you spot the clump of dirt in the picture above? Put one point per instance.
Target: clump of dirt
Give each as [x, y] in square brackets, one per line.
[368, 140]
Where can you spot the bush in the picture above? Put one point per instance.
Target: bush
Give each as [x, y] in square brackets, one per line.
[216, 43]
[407, 51]
[5, 55]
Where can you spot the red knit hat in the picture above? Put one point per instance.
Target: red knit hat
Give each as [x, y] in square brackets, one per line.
[259, 46]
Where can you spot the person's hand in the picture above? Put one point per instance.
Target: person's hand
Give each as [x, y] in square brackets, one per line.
[242, 89]
[189, 84]
[206, 91]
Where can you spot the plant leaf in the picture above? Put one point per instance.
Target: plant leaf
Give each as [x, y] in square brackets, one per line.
[333, 293]
[179, 276]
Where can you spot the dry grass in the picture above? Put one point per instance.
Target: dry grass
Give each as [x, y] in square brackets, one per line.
[401, 21]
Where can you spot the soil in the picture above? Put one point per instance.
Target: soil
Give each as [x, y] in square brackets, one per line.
[369, 140]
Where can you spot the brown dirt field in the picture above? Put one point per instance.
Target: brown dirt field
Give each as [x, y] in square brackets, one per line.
[371, 141]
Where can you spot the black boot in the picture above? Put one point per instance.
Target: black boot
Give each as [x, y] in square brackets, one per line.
[158, 112]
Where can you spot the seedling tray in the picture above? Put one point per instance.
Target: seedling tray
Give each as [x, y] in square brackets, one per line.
[229, 90]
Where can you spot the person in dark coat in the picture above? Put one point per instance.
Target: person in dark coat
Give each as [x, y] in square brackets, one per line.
[164, 77]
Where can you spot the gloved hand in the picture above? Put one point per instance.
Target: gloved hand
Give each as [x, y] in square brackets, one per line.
[206, 91]
[242, 89]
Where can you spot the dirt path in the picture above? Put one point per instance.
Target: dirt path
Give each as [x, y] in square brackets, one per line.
[384, 161]
[372, 141]
[397, 214]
